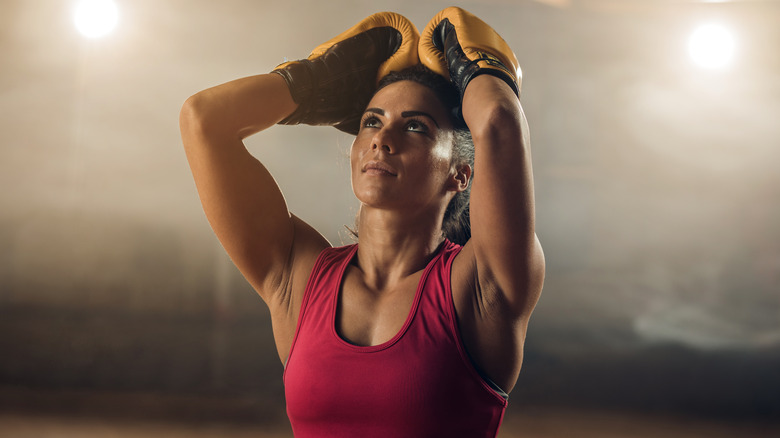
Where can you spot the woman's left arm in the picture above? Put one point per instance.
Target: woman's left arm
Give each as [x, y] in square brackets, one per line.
[509, 259]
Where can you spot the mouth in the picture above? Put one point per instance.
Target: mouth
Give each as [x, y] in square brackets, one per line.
[379, 168]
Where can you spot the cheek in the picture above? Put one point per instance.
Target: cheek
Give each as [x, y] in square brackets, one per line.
[354, 154]
[444, 145]
[441, 155]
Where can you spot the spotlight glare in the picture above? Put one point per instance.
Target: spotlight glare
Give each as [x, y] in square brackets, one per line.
[711, 46]
[95, 18]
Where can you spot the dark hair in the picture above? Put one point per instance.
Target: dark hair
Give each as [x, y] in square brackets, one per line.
[456, 225]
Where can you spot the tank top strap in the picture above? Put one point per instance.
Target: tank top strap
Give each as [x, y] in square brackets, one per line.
[440, 302]
[323, 282]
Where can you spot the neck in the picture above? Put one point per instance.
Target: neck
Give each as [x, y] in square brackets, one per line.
[392, 246]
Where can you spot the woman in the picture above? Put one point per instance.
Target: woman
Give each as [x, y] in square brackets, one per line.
[405, 333]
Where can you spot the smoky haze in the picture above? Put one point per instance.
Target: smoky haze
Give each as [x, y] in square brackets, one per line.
[656, 191]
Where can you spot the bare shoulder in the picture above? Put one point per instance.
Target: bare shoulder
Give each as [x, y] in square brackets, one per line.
[285, 305]
[307, 244]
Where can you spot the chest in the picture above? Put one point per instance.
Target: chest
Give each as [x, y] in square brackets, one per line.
[393, 367]
[366, 316]
[410, 385]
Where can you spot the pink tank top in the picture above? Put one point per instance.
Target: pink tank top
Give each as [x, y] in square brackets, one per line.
[420, 383]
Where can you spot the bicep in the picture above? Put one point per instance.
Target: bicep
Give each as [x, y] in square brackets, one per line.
[242, 202]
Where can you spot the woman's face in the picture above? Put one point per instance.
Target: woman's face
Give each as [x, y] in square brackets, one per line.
[402, 155]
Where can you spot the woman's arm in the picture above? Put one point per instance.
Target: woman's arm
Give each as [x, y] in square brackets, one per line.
[241, 200]
[509, 258]
[506, 255]
[274, 250]
[497, 277]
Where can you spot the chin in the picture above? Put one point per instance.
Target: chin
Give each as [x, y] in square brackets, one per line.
[377, 197]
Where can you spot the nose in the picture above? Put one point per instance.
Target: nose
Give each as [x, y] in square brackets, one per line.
[382, 140]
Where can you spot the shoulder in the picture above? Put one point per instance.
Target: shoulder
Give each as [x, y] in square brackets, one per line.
[311, 258]
[307, 245]
[285, 303]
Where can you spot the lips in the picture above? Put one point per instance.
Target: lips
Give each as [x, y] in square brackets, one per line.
[379, 168]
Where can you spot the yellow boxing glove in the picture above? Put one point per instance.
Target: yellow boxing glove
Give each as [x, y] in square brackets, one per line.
[334, 84]
[458, 45]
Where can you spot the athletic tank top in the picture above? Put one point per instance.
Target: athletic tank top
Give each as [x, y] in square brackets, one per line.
[420, 383]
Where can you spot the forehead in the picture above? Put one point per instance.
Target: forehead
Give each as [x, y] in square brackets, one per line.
[409, 96]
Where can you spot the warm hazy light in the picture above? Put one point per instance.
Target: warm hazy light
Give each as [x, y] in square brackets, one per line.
[96, 18]
[711, 46]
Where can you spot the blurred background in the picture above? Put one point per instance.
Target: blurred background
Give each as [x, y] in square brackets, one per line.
[655, 137]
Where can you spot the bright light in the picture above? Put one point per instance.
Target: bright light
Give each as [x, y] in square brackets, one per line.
[96, 18]
[711, 46]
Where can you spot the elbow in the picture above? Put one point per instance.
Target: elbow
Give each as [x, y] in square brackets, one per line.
[192, 116]
[198, 118]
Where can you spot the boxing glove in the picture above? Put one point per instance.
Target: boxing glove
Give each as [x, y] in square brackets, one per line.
[458, 45]
[335, 83]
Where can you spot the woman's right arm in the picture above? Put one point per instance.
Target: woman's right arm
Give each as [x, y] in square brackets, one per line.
[241, 200]
[273, 249]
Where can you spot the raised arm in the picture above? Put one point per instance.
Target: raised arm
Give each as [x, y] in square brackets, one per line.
[241, 200]
[507, 257]
[497, 277]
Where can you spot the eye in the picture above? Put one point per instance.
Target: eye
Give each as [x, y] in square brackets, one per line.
[370, 121]
[415, 125]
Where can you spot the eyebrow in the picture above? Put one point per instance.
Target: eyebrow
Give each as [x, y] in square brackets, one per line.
[419, 113]
[381, 112]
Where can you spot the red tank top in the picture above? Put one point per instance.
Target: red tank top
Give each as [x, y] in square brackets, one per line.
[420, 383]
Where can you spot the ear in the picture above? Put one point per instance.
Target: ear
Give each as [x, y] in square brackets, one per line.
[460, 177]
